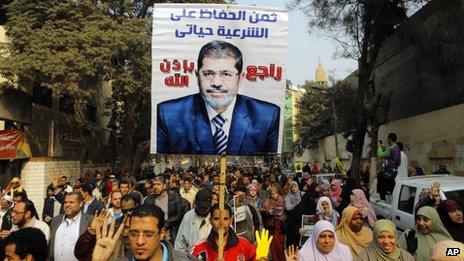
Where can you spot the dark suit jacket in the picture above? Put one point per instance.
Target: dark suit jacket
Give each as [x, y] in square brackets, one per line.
[94, 206]
[49, 205]
[183, 127]
[56, 221]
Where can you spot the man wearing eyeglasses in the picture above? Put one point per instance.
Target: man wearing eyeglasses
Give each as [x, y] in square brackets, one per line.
[146, 236]
[218, 119]
[23, 216]
[86, 242]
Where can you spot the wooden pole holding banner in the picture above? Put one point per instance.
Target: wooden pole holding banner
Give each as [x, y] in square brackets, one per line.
[222, 182]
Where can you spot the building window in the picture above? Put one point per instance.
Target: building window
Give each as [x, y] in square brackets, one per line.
[42, 95]
[66, 104]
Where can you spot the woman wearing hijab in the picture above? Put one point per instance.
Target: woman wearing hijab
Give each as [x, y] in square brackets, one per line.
[325, 211]
[253, 198]
[273, 216]
[336, 191]
[307, 206]
[384, 247]
[293, 197]
[358, 200]
[352, 233]
[323, 245]
[429, 231]
[451, 216]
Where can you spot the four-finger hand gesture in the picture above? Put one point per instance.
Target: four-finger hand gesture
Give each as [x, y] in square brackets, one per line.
[264, 242]
[106, 241]
[435, 189]
[291, 254]
[98, 220]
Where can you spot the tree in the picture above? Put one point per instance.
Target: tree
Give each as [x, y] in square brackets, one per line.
[315, 119]
[361, 27]
[73, 47]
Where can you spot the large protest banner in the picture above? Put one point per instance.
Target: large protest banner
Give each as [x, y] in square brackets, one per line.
[218, 79]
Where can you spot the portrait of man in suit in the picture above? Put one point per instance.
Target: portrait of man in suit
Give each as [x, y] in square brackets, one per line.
[217, 119]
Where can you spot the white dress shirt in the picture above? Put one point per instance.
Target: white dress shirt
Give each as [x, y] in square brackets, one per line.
[65, 239]
[36, 224]
[227, 115]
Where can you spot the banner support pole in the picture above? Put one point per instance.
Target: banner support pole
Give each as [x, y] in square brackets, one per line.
[222, 182]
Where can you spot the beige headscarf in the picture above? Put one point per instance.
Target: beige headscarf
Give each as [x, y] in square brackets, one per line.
[426, 241]
[357, 242]
[374, 252]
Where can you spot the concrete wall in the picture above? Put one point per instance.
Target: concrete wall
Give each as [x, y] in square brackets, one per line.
[432, 137]
[428, 138]
[326, 151]
[94, 167]
[38, 174]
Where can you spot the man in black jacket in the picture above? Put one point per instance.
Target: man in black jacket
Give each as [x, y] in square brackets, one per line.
[172, 205]
[91, 204]
[51, 207]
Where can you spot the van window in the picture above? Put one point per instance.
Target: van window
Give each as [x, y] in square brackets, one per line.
[456, 195]
[407, 195]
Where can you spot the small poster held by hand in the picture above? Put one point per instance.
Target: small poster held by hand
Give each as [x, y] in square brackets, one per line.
[307, 225]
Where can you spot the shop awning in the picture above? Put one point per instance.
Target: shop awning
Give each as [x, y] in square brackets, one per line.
[13, 145]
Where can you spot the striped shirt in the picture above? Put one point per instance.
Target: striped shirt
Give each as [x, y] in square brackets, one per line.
[65, 239]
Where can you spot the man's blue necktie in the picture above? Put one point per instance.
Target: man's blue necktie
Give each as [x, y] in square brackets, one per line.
[219, 137]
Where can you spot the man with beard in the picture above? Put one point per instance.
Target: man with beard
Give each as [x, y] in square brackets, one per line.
[66, 228]
[235, 248]
[217, 119]
[24, 215]
[172, 205]
[195, 224]
[115, 211]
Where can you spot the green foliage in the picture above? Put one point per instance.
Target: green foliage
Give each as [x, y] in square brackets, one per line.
[73, 46]
[361, 28]
[57, 44]
[315, 119]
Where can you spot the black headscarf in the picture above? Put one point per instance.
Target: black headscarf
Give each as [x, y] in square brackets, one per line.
[455, 230]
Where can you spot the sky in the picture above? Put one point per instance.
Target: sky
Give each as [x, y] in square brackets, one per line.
[305, 49]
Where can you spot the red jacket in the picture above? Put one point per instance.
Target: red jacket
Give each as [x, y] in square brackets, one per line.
[237, 248]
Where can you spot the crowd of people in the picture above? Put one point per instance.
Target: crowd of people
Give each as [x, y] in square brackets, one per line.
[175, 216]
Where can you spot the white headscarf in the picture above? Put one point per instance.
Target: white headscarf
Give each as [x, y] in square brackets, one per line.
[319, 208]
[309, 251]
[332, 217]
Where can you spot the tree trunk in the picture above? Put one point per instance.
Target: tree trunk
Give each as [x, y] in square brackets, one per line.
[358, 140]
[360, 118]
[373, 157]
[127, 137]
